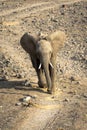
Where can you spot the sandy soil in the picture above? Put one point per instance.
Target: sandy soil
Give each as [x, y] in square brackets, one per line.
[67, 109]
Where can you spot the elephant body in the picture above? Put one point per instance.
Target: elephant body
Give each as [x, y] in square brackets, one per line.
[43, 53]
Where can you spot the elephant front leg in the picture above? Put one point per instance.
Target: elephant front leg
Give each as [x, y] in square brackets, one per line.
[53, 76]
[41, 79]
[36, 62]
[40, 74]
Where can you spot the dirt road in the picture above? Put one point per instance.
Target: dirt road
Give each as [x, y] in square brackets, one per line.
[67, 110]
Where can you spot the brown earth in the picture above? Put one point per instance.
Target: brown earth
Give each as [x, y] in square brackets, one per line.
[67, 110]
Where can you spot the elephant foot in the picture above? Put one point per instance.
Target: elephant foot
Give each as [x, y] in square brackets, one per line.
[51, 92]
[42, 85]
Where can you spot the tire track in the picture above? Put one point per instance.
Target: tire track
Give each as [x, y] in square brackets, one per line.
[32, 8]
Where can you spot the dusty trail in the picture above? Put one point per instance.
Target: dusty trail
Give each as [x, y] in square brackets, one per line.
[62, 111]
[41, 118]
[67, 110]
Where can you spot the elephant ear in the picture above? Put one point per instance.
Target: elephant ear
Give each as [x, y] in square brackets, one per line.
[57, 40]
[28, 43]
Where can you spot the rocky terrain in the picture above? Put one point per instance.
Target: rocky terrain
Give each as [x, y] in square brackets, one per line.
[67, 110]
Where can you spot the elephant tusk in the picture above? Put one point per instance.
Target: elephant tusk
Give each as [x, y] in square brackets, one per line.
[51, 65]
[40, 66]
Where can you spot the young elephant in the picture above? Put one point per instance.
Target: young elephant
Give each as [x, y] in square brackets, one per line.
[43, 53]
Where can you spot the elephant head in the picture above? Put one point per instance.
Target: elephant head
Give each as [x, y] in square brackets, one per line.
[43, 53]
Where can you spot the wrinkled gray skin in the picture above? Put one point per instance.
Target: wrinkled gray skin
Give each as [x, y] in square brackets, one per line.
[43, 53]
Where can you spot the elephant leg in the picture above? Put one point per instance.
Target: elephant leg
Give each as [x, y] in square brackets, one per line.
[47, 75]
[36, 62]
[41, 79]
[53, 75]
[40, 74]
[53, 79]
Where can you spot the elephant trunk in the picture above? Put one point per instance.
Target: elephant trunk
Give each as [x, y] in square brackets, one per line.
[47, 74]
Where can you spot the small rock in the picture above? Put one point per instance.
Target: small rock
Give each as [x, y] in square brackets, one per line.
[2, 78]
[62, 13]
[18, 104]
[66, 100]
[34, 97]
[78, 96]
[19, 76]
[63, 6]
[25, 104]
[72, 78]
[77, 82]
[26, 99]
[54, 20]
[14, 74]
[85, 95]
[27, 83]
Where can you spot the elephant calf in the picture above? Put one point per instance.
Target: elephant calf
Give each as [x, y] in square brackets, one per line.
[43, 53]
